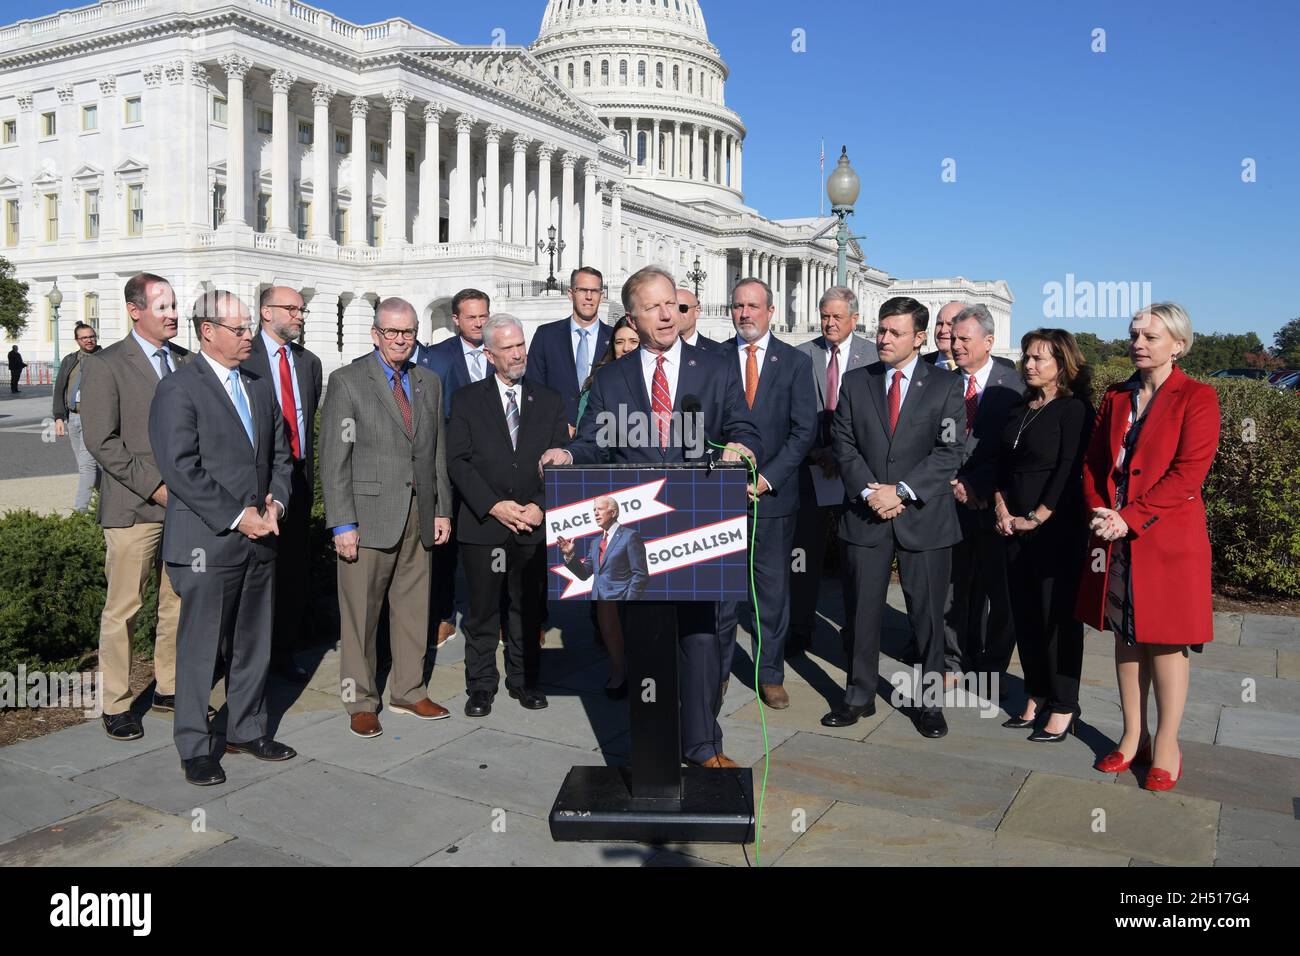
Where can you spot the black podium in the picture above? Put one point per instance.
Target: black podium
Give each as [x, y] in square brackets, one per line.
[655, 799]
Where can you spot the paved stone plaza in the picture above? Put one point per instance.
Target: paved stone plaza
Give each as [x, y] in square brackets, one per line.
[463, 792]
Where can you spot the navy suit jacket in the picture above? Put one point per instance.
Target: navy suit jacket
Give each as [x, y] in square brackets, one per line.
[447, 361]
[785, 412]
[623, 574]
[551, 362]
[702, 341]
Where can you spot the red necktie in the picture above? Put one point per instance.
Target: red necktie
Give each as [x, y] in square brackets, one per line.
[402, 403]
[833, 380]
[662, 405]
[604, 540]
[972, 403]
[288, 407]
[895, 400]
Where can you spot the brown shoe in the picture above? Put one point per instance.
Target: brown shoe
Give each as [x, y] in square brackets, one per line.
[774, 696]
[716, 761]
[446, 631]
[366, 724]
[424, 708]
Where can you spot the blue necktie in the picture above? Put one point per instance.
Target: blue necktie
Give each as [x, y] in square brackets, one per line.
[476, 373]
[584, 358]
[241, 404]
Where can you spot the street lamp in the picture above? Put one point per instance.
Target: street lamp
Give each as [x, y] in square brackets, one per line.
[56, 300]
[551, 248]
[697, 276]
[842, 187]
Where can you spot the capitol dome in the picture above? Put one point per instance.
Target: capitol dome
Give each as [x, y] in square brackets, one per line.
[648, 70]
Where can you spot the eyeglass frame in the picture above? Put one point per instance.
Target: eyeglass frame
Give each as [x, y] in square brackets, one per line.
[390, 335]
[239, 330]
[299, 310]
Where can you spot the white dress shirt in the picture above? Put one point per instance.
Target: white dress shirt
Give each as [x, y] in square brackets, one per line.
[223, 374]
[609, 536]
[502, 388]
[273, 356]
[672, 365]
[467, 350]
[694, 337]
[759, 356]
[981, 380]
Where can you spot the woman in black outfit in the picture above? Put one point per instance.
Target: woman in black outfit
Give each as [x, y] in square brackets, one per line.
[1039, 506]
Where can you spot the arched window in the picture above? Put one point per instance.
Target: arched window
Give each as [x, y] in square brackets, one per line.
[586, 73]
[659, 76]
[604, 72]
[640, 73]
[677, 77]
[622, 72]
[640, 148]
[570, 75]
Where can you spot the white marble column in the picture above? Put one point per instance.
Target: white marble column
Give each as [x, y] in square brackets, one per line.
[282, 219]
[359, 204]
[519, 192]
[492, 233]
[614, 259]
[779, 292]
[358, 319]
[198, 203]
[544, 153]
[697, 146]
[460, 188]
[395, 219]
[676, 168]
[654, 148]
[568, 214]
[430, 199]
[321, 151]
[320, 328]
[740, 167]
[805, 280]
[592, 217]
[236, 68]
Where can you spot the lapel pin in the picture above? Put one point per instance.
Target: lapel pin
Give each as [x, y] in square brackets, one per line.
[690, 362]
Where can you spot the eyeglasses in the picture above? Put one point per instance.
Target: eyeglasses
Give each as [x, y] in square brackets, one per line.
[239, 330]
[578, 291]
[683, 308]
[391, 334]
[291, 309]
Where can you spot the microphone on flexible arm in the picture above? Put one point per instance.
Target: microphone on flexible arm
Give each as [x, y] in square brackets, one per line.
[691, 405]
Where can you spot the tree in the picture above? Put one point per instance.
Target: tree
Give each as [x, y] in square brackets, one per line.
[1097, 351]
[1286, 343]
[13, 301]
[1212, 351]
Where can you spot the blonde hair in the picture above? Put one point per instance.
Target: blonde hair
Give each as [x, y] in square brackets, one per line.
[1175, 320]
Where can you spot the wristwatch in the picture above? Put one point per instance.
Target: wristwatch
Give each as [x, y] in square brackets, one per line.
[901, 490]
[1033, 516]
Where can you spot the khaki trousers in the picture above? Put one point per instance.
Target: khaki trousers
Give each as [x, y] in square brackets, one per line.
[402, 574]
[132, 553]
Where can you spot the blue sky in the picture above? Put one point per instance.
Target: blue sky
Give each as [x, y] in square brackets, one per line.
[1115, 166]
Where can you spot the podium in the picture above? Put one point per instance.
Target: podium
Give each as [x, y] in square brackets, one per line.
[693, 521]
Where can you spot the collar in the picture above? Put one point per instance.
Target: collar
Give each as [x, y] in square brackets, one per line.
[466, 348]
[610, 533]
[982, 376]
[273, 347]
[907, 369]
[842, 350]
[223, 373]
[593, 328]
[389, 371]
[762, 343]
[502, 387]
[672, 357]
[693, 339]
[149, 348]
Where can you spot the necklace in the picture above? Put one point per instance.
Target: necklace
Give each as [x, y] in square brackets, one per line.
[1024, 423]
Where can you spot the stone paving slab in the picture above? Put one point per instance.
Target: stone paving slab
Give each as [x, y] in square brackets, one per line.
[1270, 630]
[1232, 777]
[403, 739]
[1170, 827]
[937, 785]
[1228, 689]
[118, 833]
[1252, 660]
[1200, 719]
[584, 721]
[805, 713]
[526, 840]
[339, 817]
[86, 747]
[1227, 627]
[497, 769]
[1288, 665]
[788, 815]
[1257, 838]
[742, 740]
[1251, 728]
[242, 854]
[849, 835]
[33, 799]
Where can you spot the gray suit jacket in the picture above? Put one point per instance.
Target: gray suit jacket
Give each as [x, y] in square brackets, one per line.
[117, 388]
[368, 462]
[862, 352]
[212, 471]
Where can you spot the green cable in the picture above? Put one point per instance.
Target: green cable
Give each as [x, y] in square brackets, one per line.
[758, 653]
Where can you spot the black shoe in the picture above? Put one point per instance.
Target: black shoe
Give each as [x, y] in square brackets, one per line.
[932, 724]
[617, 693]
[123, 726]
[286, 668]
[846, 715]
[263, 748]
[1041, 736]
[1019, 723]
[165, 702]
[479, 704]
[203, 772]
[530, 697]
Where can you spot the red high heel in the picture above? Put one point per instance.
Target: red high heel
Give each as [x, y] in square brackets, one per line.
[1114, 761]
[1158, 779]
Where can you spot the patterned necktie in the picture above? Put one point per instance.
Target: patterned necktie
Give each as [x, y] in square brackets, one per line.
[972, 403]
[661, 404]
[751, 374]
[476, 373]
[288, 407]
[403, 404]
[833, 380]
[584, 357]
[895, 400]
[512, 417]
[241, 404]
[164, 366]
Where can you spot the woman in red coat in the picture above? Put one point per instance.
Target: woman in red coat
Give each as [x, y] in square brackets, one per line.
[1147, 576]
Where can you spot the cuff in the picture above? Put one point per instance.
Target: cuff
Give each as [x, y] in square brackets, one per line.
[770, 486]
[342, 528]
[866, 493]
[279, 504]
[908, 491]
[235, 524]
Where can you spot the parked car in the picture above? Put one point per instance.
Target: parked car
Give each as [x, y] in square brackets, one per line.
[1291, 381]
[1255, 374]
[1278, 374]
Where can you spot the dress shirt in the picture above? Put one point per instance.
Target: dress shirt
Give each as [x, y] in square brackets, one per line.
[903, 383]
[223, 374]
[503, 387]
[272, 352]
[981, 380]
[593, 333]
[149, 349]
[672, 366]
[466, 350]
[759, 356]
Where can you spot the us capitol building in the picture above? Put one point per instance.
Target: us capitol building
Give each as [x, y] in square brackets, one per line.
[240, 143]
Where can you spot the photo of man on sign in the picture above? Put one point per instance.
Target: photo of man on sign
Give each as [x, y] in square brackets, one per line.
[617, 558]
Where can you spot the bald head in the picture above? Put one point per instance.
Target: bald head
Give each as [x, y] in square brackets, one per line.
[686, 320]
[281, 310]
[943, 327]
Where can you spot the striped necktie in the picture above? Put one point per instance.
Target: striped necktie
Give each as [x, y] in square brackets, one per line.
[512, 417]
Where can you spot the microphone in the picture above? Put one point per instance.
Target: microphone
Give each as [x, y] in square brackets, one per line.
[691, 405]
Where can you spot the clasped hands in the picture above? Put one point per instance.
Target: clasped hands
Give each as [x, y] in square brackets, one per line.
[884, 501]
[257, 523]
[520, 519]
[1107, 524]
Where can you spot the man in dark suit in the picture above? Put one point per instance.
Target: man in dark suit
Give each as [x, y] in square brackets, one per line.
[117, 389]
[778, 390]
[617, 558]
[67, 414]
[387, 502]
[221, 448]
[498, 432]
[978, 624]
[16, 366]
[688, 309]
[563, 353]
[650, 384]
[897, 435]
[294, 375]
[834, 353]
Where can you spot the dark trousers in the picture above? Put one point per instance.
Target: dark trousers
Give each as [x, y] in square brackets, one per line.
[978, 628]
[14, 374]
[699, 678]
[813, 526]
[865, 578]
[231, 610]
[493, 571]
[1044, 583]
[773, 542]
[442, 595]
[293, 568]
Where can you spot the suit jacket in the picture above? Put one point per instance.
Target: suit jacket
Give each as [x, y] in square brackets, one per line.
[447, 361]
[785, 414]
[924, 451]
[368, 463]
[862, 352]
[484, 468]
[212, 471]
[70, 362]
[621, 385]
[551, 362]
[117, 388]
[933, 357]
[1002, 391]
[707, 344]
[307, 370]
[623, 574]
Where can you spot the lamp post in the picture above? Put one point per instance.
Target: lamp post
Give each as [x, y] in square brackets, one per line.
[550, 247]
[842, 187]
[56, 300]
[697, 275]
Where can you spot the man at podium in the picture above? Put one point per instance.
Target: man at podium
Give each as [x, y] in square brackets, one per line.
[657, 383]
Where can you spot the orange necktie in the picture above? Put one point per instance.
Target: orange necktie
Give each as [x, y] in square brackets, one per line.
[751, 374]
